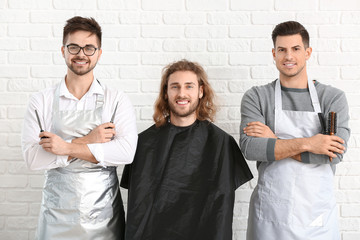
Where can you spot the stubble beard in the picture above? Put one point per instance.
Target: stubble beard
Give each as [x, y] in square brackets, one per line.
[82, 71]
[293, 74]
[192, 109]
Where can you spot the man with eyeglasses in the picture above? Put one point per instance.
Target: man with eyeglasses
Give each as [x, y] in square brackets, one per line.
[86, 131]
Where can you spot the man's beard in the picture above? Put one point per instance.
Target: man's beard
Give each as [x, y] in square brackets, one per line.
[191, 110]
[293, 74]
[82, 71]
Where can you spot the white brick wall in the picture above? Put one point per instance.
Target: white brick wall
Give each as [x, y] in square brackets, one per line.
[231, 38]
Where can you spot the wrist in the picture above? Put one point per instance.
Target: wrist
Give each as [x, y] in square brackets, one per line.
[81, 140]
[305, 144]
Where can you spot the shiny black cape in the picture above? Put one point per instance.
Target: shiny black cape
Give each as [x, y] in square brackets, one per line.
[182, 183]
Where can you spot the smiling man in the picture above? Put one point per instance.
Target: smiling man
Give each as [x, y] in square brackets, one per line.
[182, 183]
[281, 130]
[80, 148]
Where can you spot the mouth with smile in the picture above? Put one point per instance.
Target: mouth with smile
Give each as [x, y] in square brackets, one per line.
[182, 102]
[289, 65]
[79, 62]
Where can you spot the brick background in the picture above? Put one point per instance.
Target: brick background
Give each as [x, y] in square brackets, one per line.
[230, 38]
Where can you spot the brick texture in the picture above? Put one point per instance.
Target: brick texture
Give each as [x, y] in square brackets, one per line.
[230, 38]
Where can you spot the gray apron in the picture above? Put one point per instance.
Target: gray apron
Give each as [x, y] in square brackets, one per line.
[81, 200]
[294, 200]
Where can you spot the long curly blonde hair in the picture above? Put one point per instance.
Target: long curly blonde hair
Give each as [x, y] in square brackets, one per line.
[206, 109]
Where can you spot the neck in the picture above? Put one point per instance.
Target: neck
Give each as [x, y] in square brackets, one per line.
[182, 121]
[77, 85]
[298, 81]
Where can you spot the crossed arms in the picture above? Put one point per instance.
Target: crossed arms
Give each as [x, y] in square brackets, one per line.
[285, 148]
[95, 147]
[259, 143]
[77, 148]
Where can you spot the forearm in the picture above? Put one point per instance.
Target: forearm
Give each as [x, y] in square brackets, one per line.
[257, 149]
[320, 144]
[290, 148]
[308, 157]
[119, 150]
[81, 151]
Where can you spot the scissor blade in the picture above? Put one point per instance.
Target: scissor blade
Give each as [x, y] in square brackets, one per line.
[38, 119]
[113, 116]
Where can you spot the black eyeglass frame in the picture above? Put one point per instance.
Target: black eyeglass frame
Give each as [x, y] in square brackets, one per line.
[81, 48]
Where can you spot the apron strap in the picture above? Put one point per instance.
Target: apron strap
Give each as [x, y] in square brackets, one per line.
[313, 95]
[278, 99]
[99, 99]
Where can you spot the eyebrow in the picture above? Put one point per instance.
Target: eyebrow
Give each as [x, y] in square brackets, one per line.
[291, 47]
[186, 83]
[87, 45]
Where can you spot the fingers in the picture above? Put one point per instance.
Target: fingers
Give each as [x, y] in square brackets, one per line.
[331, 154]
[337, 139]
[108, 125]
[257, 123]
[258, 129]
[338, 145]
[45, 134]
[253, 130]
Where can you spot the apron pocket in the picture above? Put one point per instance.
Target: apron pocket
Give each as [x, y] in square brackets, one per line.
[314, 200]
[276, 200]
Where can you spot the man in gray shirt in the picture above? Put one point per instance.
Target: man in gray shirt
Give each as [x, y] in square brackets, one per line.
[281, 130]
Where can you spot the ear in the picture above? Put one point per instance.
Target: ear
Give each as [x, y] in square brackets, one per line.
[63, 51]
[100, 52]
[201, 92]
[273, 53]
[308, 52]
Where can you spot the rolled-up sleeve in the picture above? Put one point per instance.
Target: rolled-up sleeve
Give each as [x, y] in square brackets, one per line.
[34, 155]
[121, 149]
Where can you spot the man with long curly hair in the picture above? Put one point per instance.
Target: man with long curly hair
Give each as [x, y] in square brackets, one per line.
[185, 172]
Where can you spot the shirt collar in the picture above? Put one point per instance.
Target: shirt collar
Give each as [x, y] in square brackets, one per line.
[95, 88]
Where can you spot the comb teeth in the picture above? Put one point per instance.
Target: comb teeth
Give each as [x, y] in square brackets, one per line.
[332, 123]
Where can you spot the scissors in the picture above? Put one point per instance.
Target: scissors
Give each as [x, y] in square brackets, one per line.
[113, 116]
[38, 119]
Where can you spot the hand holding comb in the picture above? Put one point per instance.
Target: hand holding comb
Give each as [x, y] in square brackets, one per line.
[332, 125]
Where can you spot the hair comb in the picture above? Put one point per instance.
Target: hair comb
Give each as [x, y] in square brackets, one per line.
[332, 125]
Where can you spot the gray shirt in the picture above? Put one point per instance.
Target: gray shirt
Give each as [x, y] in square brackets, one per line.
[258, 104]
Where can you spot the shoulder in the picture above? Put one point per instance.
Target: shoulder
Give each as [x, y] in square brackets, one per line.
[328, 93]
[214, 130]
[150, 132]
[45, 95]
[328, 89]
[112, 92]
[112, 96]
[217, 137]
[261, 90]
[258, 96]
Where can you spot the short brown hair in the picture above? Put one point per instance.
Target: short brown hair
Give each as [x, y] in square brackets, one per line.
[291, 28]
[206, 109]
[78, 23]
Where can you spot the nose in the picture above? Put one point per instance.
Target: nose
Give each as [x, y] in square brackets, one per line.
[181, 91]
[288, 55]
[81, 52]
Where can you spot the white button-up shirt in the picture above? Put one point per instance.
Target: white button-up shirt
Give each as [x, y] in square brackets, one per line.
[120, 150]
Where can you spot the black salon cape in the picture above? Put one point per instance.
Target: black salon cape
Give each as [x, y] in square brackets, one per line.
[182, 183]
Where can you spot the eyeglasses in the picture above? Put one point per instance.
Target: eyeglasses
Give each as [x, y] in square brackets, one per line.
[88, 50]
